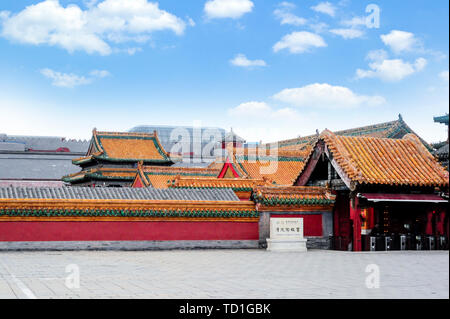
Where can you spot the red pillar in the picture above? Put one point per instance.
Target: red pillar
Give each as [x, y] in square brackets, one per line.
[429, 225]
[355, 215]
[440, 223]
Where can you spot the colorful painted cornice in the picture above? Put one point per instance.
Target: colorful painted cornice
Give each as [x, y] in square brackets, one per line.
[293, 196]
[125, 174]
[124, 210]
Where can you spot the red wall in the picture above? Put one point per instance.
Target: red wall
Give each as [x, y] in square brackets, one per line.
[132, 230]
[312, 224]
[342, 225]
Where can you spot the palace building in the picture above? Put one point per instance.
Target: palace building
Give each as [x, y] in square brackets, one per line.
[162, 177]
[377, 187]
[394, 186]
[112, 159]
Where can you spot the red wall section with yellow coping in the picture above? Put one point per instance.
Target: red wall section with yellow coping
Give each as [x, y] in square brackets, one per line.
[126, 230]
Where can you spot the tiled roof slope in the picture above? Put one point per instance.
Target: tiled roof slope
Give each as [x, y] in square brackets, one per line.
[161, 176]
[125, 147]
[393, 129]
[282, 167]
[36, 166]
[113, 193]
[102, 173]
[371, 160]
[237, 184]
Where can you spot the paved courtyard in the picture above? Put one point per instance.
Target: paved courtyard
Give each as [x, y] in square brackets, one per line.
[223, 274]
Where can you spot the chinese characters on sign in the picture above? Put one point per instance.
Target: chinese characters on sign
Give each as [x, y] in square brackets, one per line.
[289, 228]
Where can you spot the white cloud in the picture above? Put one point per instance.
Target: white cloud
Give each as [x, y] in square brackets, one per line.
[391, 70]
[250, 109]
[242, 61]
[100, 73]
[4, 15]
[286, 112]
[319, 27]
[400, 41]
[256, 110]
[133, 51]
[227, 8]
[377, 55]
[325, 8]
[348, 33]
[70, 80]
[444, 75]
[191, 22]
[284, 14]
[90, 30]
[323, 95]
[354, 22]
[90, 3]
[299, 42]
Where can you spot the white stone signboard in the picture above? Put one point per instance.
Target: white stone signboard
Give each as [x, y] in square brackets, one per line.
[286, 234]
[286, 228]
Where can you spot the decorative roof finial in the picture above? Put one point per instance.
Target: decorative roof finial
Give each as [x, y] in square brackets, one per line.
[317, 132]
[400, 117]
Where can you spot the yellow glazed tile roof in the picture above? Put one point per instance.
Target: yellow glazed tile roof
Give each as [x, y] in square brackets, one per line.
[280, 166]
[161, 176]
[102, 173]
[213, 182]
[119, 146]
[371, 160]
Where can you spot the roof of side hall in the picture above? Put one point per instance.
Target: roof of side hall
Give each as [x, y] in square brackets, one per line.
[125, 147]
[162, 176]
[280, 166]
[237, 184]
[374, 160]
[393, 129]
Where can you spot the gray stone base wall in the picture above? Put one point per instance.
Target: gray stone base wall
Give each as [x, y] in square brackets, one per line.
[312, 243]
[318, 243]
[128, 245]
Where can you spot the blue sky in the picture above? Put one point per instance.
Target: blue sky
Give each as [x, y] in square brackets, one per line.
[270, 69]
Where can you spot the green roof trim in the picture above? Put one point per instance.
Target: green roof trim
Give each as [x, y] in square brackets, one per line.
[235, 189]
[441, 119]
[275, 201]
[97, 176]
[127, 213]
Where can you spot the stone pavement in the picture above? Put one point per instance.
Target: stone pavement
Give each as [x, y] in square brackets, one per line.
[223, 274]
